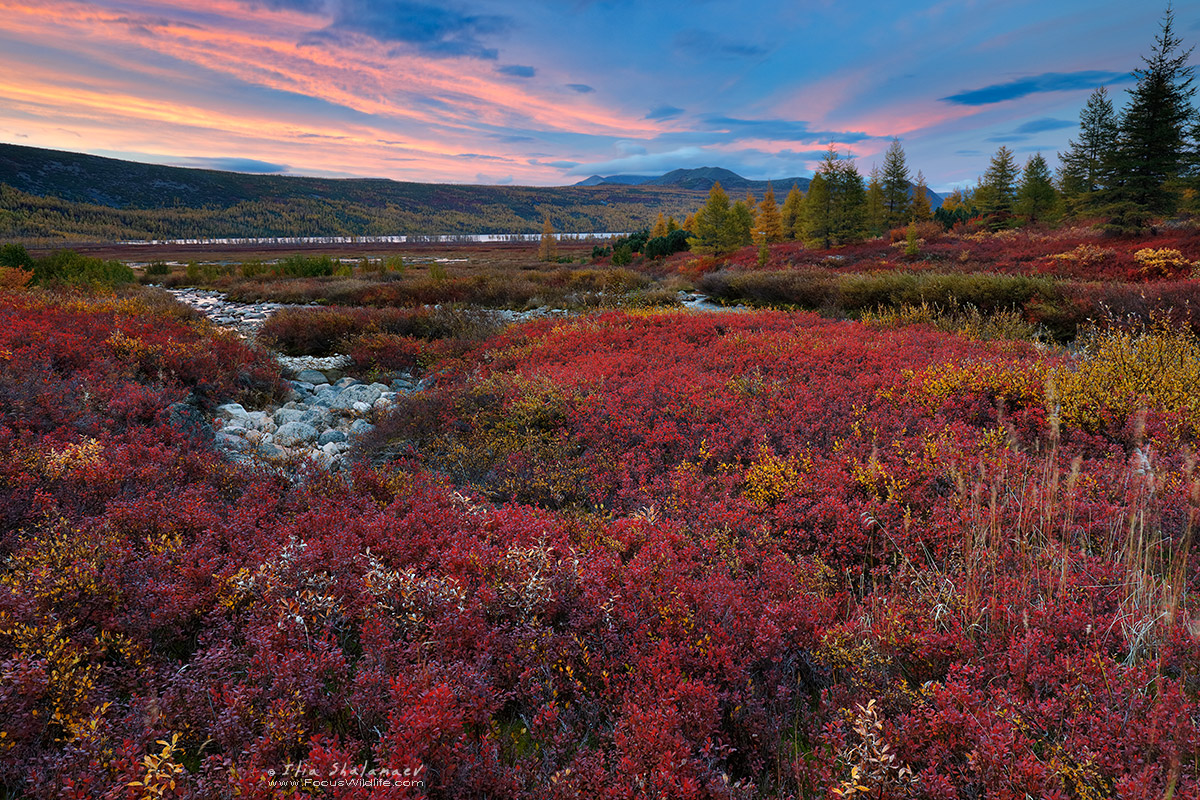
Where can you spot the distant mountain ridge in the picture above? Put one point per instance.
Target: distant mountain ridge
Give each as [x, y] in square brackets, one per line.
[701, 179]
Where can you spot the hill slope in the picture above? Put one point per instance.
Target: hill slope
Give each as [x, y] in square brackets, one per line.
[56, 194]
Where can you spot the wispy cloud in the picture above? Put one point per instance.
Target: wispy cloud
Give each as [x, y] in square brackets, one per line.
[582, 88]
[517, 71]
[663, 112]
[1046, 82]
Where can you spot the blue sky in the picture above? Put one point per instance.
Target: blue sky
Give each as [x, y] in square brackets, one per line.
[547, 92]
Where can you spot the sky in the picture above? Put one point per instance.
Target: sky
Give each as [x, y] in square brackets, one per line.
[548, 92]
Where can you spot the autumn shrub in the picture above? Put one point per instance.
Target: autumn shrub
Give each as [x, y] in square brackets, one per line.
[14, 278]
[321, 331]
[1122, 371]
[720, 555]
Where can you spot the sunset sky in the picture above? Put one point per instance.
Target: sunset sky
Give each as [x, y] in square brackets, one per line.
[547, 92]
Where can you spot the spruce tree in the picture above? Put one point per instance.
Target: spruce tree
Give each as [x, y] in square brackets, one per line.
[793, 206]
[768, 222]
[738, 229]
[816, 222]
[1082, 171]
[997, 188]
[1157, 124]
[1036, 197]
[876, 216]
[894, 182]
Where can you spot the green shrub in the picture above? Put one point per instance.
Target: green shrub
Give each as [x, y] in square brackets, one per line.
[157, 268]
[15, 256]
[69, 267]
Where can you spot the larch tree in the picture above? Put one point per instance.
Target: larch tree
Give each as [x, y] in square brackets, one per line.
[894, 181]
[793, 206]
[1036, 196]
[835, 208]
[737, 231]
[768, 222]
[660, 227]
[548, 247]
[709, 224]
[920, 208]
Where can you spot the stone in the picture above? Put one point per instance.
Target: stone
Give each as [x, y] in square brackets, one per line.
[382, 387]
[295, 433]
[360, 427]
[302, 388]
[331, 449]
[317, 417]
[270, 452]
[312, 376]
[187, 417]
[231, 411]
[228, 441]
[233, 430]
[331, 437]
[286, 415]
[355, 394]
[361, 408]
[343, 383]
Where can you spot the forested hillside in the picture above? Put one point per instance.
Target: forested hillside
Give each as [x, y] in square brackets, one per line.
[60, 195]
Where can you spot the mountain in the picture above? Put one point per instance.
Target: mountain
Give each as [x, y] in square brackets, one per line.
[702, 179]
[624, 180]
[54, 194]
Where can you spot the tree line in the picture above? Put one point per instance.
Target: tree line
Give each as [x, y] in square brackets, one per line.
[1124, 170]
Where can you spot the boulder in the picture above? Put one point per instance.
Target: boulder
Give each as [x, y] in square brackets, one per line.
[359, 393]
[231, 411]
[295, 433]
[331, 437]
[312, 376]
[285, 415]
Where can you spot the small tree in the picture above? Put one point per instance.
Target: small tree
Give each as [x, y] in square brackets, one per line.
[920, 208]
[1083, 165]
[793, 206]
[768, 223]
[738, 229]
[1036, 197]
[876, 215]
[997, 189]
[709, 224]
[660, 227]
[894, 183]
[548, 248]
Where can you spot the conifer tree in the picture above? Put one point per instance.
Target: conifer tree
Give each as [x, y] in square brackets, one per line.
[660, 227]
[895, 185]
[1082, 171]
[835, 208]
[1157, 124]
[793, 206]
[709, 225]
[737, 230]
[548, 247]
[1036, 197]
[876, 216]
[997, 188]
[920, 208]
[768, 222]
[672, 225]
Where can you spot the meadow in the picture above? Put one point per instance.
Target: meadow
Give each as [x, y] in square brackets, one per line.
[913, 525]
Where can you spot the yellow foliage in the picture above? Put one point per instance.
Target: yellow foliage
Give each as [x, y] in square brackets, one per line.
[1021, 383]
[1122, 372]
[771, 477]
[1162, 262]
[12, 278]
[1085, 254]
[59, 461]
[161, 770]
